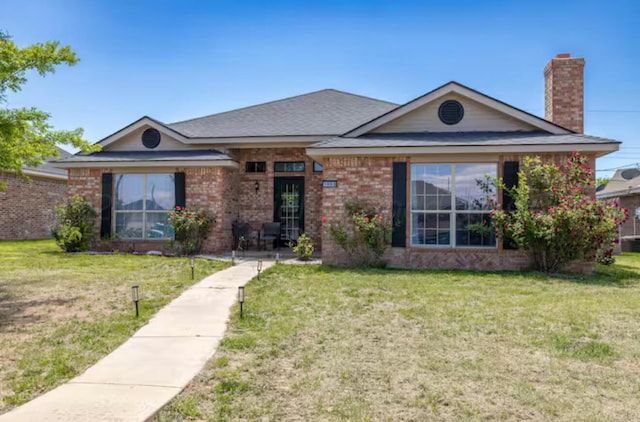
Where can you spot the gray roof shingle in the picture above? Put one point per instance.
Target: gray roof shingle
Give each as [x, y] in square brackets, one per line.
[326, 112]
[434, 139]
[124, 156]
[48, 168]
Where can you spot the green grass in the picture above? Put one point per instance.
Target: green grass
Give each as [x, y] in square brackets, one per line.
[320, 343]
[60, 313]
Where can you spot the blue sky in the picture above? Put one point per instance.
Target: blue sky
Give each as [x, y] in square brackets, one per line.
[174, 60]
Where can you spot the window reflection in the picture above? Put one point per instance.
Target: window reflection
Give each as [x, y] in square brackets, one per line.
[142, 202]
[448, 199]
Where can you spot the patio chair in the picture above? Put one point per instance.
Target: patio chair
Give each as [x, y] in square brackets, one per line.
[243, 232]
[271, 233]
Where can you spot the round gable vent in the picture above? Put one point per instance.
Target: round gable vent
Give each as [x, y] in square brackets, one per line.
[151, 138]
[450, 112]
[629, 174]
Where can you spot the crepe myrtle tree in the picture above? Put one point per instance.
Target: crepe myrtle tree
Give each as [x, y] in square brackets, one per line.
[27, 138]
[557, 218]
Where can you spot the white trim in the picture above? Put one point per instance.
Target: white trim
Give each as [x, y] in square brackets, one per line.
[464, 149]
[145, 121]
[45, 175]
[147, 163]
[453, 87]
[617, 194]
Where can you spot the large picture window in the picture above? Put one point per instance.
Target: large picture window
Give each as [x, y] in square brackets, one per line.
[448, 205]
[142, 204]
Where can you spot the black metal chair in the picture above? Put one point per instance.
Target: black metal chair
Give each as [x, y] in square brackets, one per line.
[243, 234]
[271, 233]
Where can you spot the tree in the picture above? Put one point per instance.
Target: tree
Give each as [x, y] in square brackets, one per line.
[26, 136]
[557, 217]
[602, 181]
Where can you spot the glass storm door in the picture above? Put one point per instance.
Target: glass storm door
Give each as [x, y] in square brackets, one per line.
[289, 207]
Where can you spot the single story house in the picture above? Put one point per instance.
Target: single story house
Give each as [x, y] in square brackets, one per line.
[297, 160]
[624, 187]
[27, 206]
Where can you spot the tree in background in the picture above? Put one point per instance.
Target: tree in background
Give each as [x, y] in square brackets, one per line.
[557, 217]
[26, 136]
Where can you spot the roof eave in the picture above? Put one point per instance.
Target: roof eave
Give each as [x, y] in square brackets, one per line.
[618, 194]
[600, 149]
[146, 163]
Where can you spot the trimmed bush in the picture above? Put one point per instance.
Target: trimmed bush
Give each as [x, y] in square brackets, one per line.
[74, 230]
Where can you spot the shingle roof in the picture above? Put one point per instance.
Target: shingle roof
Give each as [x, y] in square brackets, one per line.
[428, 139]
[326, 112]
[47, 166]
[124, 156]
[619, 185]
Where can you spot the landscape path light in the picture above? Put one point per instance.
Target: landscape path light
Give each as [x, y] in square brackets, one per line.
[233, 257]
[193, 268]
[259, 268]
[135, 297]
[241, 298]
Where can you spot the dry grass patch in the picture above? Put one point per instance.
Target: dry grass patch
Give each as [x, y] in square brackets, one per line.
[60, 313]
[329, 344]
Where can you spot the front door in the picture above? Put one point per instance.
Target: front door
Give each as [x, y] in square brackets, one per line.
[288, 207]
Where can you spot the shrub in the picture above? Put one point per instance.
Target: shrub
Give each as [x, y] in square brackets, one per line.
[74, 230]
[303, 248]
[190, 229]
[365, 236]
[557, 218]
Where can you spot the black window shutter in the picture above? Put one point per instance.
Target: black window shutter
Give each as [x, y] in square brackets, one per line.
[180, 192]
[398, 235]
[510, 180]
[107, 194]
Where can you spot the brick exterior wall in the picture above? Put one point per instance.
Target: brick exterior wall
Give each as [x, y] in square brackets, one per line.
[256, 207]
[230, 195]
[27, 208]
[370, 179]
[87, 183]
[212, 190]
[227, 193]
[564, 92]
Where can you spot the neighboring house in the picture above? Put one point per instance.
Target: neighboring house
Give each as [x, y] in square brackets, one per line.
[270, 161]
[27, 206]
[624, 187]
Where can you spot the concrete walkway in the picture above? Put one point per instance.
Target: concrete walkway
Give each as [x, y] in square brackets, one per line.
[139, 377]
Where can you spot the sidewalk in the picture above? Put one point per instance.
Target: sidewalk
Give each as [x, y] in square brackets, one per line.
[142, 375]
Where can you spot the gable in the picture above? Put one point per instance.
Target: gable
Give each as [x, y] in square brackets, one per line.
[477, 118]
[133, 142]
[485, 118]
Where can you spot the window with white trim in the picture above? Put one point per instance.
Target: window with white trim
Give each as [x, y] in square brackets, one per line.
[142, 204]
[448, 205]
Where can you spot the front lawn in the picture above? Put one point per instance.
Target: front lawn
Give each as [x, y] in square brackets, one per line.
[319, 343]
[60, 313]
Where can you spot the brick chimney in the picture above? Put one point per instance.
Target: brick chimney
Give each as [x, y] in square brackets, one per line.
[564, 92]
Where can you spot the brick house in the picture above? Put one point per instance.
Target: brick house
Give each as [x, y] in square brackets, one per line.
[299, 159]
[27, 206]
[624, 187]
